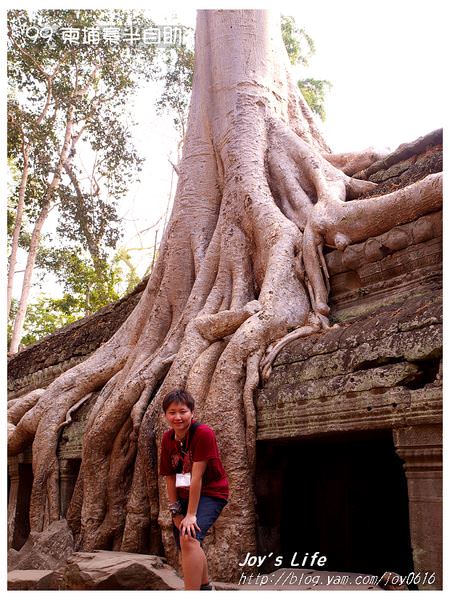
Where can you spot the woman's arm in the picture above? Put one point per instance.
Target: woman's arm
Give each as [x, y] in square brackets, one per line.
[189, 523]
[171, 488]
[173, 497]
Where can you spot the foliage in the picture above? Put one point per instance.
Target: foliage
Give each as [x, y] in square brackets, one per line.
[314, 91]
[299, 44]
[81, 90]
[88, 287]
[84, 291]
[176, 73]
[98, 80]
[45, 315]
[300, 48]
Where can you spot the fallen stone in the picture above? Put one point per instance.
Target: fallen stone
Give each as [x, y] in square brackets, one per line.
[46, 550]
[12, 558]
[221, 586]
[107, 570]
[31, 579]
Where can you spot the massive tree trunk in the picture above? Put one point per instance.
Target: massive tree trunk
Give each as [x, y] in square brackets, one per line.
[240, 272]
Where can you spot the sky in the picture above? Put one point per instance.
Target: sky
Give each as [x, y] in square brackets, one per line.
[385, 61]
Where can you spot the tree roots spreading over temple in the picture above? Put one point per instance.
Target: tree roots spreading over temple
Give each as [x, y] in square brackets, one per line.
[240, 272]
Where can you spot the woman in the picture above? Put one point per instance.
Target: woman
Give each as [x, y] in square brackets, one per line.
[197, 485]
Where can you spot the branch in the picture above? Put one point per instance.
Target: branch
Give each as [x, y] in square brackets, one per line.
[89, 236]
[175, 168]
[30, 57]
[49, 83]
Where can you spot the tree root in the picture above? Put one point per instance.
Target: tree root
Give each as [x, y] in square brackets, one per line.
[353, 162]
[224, 323]
[73, 409]
[20, 406]
[251, 383]
[266, 364]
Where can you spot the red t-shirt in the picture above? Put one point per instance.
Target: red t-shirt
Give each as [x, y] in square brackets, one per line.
[202, 446]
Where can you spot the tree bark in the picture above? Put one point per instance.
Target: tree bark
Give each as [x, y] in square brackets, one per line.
[26, 151]
[240, 266]
[12, 260]
[36, 235]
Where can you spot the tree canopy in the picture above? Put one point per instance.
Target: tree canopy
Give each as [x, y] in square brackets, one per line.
[71, 75]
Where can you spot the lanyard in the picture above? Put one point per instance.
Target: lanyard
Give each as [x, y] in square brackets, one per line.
[184, 450]
[190, 433]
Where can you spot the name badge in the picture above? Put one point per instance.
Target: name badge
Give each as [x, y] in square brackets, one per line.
[183, 480]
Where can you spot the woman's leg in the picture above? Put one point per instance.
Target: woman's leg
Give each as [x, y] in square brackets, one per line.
[205, 576]
[194, 564]
[192, 555]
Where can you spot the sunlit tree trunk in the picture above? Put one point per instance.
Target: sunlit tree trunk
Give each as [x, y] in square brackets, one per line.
[12, 260]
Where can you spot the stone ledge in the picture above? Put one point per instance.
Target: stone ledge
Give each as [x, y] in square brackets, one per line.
[403, 152]
[419, 312]
[32, 579]
[372, 409]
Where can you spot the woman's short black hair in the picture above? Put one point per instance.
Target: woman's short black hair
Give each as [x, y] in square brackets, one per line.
[179, 397]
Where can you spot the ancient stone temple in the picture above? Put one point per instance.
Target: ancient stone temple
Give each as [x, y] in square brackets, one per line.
[349, 424]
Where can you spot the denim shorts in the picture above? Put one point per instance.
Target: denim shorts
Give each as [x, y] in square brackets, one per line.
[209, 508]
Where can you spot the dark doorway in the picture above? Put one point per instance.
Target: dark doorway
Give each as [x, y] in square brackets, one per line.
[68, 474]
[344, 496]
[22, 519]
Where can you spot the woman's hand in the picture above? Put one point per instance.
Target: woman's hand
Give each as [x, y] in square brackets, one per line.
[189, 525]
[177, 520]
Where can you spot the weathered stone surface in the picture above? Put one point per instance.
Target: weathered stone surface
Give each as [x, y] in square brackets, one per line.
[420, 311]
[12, 558]
[46, 550]
[359, 381]
[420, 448]
[71, 440]
[37, 365]
[32, 579]
[286, 415]
[104, 570]
[404, 152]
[378, 371]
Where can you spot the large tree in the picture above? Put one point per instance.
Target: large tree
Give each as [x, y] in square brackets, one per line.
[240, 271]
[66, 95]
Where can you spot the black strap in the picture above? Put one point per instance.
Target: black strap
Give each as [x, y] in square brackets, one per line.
[192, 429]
